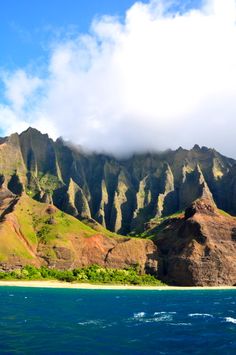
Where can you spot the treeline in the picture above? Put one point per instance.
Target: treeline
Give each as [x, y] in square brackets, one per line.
[91, 274]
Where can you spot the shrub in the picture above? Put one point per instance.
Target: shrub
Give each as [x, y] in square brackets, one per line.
[93, 274]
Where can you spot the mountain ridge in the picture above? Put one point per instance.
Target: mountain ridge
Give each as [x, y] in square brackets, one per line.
[57, 204]
[35, 233]
[120, 194]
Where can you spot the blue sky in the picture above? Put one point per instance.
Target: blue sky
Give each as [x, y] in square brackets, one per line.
[139, 76]
[28, 26]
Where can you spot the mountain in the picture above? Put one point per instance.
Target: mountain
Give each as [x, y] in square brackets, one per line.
[120, 194]
[197, 248]
[39, 234]
[63, 208]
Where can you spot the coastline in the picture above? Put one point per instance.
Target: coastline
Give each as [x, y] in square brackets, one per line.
[87, 286]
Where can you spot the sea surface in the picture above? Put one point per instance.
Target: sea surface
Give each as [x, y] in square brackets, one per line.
[72, 321]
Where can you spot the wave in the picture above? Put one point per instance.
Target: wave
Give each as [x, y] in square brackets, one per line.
[181, 324]
[139, 315]
[156, 317]
[230, 320]
[157, 313]
[90, 322]
[200, 315]
[163, 318]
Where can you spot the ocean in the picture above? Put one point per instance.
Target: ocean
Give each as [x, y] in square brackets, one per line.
[72, 321]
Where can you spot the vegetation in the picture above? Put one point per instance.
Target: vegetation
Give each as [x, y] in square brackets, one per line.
[91, 274]
[39, 224]
[223, 213]
[157, 224]
[49, 182]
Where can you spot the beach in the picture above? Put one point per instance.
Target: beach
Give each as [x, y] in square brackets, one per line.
[87, 286]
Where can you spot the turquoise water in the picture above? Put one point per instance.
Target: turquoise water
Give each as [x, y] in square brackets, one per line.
[65, 321]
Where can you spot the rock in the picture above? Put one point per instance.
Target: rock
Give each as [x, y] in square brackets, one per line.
[38, 234]
[198, 249]
[133, 252]
[121, 194]
[119, 253]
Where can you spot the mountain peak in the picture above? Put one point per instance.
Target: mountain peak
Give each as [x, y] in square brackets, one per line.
[31, 130]
[196, 147]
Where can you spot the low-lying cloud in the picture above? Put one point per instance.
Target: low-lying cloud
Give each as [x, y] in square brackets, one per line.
[157, 79]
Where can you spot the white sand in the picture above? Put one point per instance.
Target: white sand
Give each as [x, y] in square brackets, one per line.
[58, 284]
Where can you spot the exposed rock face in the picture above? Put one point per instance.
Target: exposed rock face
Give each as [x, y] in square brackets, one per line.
[108, 252]
[119, 253]
[39, 234]
[198, 249]
[120, 194]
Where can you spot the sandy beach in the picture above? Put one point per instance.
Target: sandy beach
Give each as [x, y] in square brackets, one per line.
[87, 286]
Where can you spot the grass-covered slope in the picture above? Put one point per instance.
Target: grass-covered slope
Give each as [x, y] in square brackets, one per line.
[39, 234]
[32, 224]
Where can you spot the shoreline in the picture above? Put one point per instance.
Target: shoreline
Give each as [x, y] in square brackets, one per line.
[88, 286]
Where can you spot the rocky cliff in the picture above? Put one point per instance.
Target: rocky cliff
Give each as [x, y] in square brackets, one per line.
[197, 248]
[120, 194]
[48, 188]
[39, 234]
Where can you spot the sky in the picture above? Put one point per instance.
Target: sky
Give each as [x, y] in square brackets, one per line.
[120, 76]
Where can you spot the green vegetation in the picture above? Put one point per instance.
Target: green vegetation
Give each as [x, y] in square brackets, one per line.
[177, 214]
[223, 213]
[49, 182]
[39, 224]
[156, 224]
[48, 228]
[91, 274]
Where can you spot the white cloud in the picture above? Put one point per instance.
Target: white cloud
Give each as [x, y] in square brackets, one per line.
[19, 88]
[156, 80]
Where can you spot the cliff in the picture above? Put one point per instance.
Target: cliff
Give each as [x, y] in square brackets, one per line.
[63, 208]
[120, 194]
[197, 248]
[39, 234]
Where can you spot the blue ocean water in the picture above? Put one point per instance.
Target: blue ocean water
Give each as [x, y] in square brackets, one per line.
[70, 321]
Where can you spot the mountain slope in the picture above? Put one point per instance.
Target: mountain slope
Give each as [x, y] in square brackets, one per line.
[197, 248]
[120, 194]
[39, 234]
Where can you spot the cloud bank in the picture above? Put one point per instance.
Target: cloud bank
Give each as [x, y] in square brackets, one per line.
[157, 79]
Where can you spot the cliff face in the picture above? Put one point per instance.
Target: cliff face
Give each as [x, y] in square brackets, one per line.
[198, 248]
[39, 234]
[119, 194]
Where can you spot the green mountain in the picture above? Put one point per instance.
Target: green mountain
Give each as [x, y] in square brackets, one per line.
[63, 208]
[39, 234]
[120, 194]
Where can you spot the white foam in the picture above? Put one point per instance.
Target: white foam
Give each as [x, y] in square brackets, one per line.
[200, 315]
[230, 320]
[157, 313]
[163, 318]
[160, 318]
[181, 324]
[139, 315]
[89, 322]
